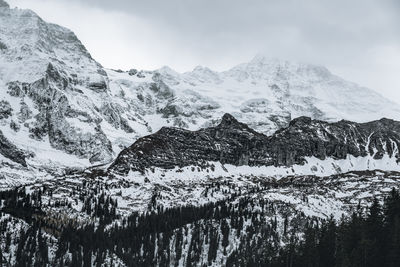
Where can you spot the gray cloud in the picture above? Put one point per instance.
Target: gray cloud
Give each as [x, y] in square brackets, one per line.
[359, 40]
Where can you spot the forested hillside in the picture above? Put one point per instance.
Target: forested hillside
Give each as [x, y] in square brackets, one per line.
[240, 231]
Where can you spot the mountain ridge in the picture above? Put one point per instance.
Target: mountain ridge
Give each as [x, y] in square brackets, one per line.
[232, 142]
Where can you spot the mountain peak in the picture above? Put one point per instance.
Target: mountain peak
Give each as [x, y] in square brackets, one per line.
[302, 120]
[200, 68]
[166, 70]
[229, 123]
[265, 64]
[260, 58]
[4, 4]
[228, 120]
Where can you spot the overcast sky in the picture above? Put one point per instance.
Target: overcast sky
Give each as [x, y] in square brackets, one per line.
[358, 40]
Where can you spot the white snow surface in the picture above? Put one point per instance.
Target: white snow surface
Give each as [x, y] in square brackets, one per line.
[314, 166]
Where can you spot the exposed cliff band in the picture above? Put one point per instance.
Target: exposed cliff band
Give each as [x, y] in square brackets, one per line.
[232, 142]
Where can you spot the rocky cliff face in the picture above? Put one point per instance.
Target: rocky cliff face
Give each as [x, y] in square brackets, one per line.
[10, 151]
[232, 142]
[4, 4]
[305, 138]
[54, 94]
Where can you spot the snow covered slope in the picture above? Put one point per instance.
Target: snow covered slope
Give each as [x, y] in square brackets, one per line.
[54, 97]
[264, 93]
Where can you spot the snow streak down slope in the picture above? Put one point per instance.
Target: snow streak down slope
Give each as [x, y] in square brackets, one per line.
[234, 143]
[64, 109]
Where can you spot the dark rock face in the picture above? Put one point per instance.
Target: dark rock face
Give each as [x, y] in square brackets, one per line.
[132, 72]
[2, 46]
[10, 151]
[305, 137]
[4, 4]
[48, 94]
[5, 109]
[235, 143]
[98, 85]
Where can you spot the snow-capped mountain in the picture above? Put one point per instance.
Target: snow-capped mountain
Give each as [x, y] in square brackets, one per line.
[49, 85]
[63, 108]
[268, 93]
[264, 93]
